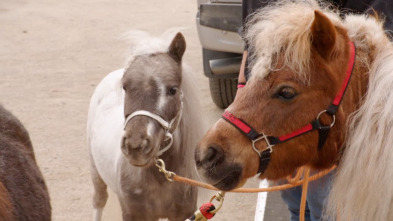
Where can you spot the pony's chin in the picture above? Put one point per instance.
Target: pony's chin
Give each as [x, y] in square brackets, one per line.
[141, 163]
[229, 181]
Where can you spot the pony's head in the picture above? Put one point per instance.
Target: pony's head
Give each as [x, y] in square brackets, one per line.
[153, 99]
[299, 63]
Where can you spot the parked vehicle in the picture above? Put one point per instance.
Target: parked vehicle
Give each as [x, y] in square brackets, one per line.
[218, 23]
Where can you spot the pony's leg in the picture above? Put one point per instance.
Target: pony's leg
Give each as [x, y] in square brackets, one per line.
[137, 217]
[135, 211]
[100, 193]
[182, 213]
[186, 206]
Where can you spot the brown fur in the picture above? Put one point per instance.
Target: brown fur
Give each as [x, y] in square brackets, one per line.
[258, 105]
[177, 47]
[6, 206]
[324, 35]
[23, 193]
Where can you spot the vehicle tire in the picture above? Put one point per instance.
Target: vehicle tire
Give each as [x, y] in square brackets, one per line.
[223, 91]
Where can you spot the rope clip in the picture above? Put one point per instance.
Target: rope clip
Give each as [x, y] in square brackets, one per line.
[220, 198]
[208, 210]
[161, 167]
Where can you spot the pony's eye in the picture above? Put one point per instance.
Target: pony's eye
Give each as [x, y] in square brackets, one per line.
[172, 91]
[286, 93]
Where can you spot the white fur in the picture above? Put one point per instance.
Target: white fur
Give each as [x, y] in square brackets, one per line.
[162, 99]
[104, 134]
[98, 214]
[150, 128]
[143, 43]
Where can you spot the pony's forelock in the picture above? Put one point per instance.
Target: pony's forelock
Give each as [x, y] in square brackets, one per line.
[143, 43]
[283, 27]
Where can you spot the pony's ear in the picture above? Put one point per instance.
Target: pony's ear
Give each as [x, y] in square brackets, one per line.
[323, 35]
[177, 47]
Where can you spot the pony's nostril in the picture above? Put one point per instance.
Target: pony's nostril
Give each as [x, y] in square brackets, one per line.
[124, 146]
[146, 146]
[210, 153]
[214, 155]
[129, 145]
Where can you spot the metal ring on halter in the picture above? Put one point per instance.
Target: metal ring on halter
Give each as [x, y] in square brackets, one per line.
[333, 116]
[168, 136]
[269, 146]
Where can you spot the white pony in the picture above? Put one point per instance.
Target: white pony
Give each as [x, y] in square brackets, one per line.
[147, 110]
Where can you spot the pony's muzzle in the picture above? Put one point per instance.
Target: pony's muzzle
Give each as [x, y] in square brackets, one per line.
[214, 168]
[136, 147]
[209, 158]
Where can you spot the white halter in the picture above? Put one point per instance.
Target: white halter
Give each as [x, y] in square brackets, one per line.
[167, 126]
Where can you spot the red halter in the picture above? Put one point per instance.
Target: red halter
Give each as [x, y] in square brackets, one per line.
[251, 133]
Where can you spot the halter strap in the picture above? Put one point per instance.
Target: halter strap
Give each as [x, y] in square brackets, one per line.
[254, 136]
[241, 84]
[168, 126]
[159, 119]
[337, 100]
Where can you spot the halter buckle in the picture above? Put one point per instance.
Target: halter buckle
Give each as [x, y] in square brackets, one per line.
[262, 137]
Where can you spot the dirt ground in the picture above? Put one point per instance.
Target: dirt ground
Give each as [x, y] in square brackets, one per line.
[53, 54]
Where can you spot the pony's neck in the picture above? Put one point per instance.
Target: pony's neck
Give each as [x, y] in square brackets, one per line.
[177, 155]
[352, 99]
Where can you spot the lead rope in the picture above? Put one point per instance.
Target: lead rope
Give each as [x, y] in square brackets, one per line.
[304, 194]
[208, 210]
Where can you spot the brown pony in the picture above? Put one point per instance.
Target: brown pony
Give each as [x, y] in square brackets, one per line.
[23, 193]
[303, 71]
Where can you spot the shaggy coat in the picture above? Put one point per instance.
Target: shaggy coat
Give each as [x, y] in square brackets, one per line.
[23, 193]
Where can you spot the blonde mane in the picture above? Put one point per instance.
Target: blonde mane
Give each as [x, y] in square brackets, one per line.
[284, 27]
[143, 43]
[363, 188]
[193, 124]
